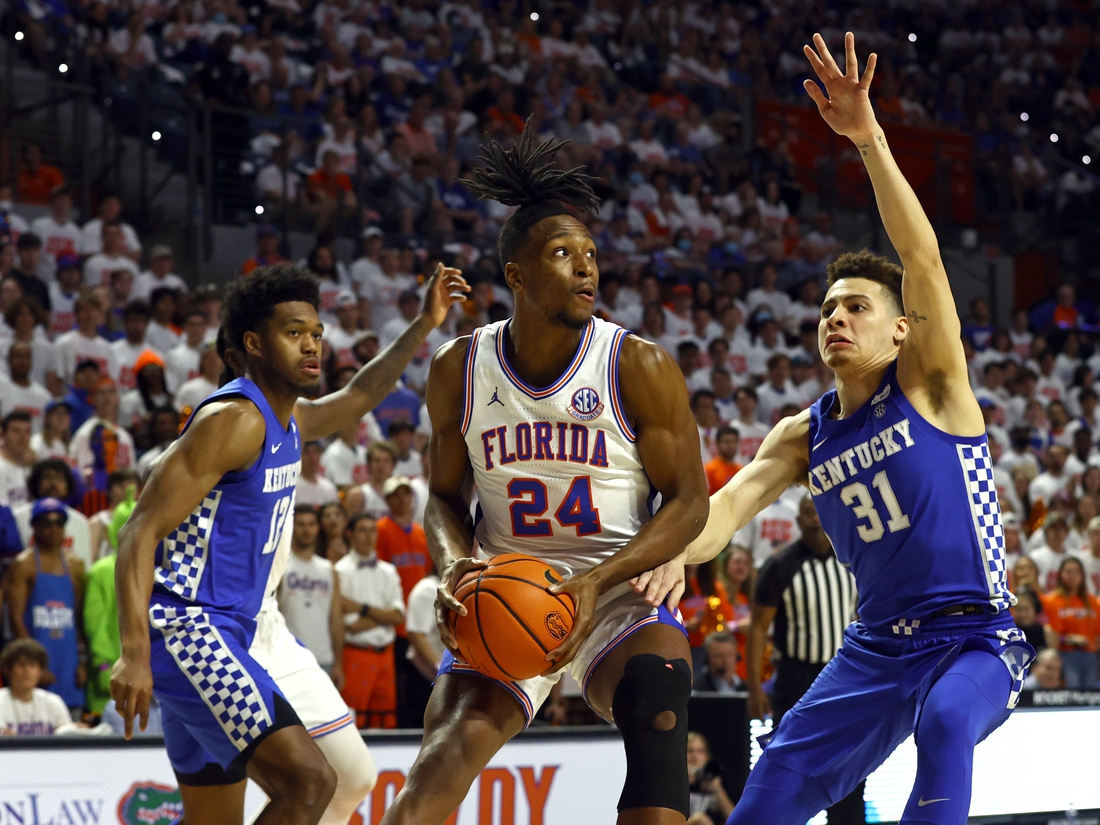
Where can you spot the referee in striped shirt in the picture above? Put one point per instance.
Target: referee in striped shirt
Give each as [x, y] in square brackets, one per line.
[811, 598]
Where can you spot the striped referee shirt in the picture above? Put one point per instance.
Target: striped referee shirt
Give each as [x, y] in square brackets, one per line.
[814, 598]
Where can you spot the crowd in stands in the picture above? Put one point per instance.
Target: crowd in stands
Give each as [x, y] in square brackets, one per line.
[362, 116]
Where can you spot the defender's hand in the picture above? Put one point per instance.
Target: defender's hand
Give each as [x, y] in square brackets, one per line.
[664, 582]
[446, 287]
[445, 600]
[847, 109]
[132, 690]
[584, 589]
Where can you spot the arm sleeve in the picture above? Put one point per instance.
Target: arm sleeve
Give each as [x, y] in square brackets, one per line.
[769, 588]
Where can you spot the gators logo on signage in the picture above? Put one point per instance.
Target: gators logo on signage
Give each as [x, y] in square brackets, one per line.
[147, 803]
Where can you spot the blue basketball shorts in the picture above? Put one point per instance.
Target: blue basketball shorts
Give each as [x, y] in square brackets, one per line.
[217, 703]
[868, 699]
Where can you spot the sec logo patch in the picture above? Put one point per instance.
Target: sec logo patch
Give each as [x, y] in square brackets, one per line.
[585, 405]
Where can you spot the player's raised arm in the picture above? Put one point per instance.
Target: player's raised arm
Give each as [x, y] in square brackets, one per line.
[447, 521]
[932, 347]
[782, 460]
[179, 481]
[655, 399]
[322, 417]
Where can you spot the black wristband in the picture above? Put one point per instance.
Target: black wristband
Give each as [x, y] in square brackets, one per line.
[364, 611]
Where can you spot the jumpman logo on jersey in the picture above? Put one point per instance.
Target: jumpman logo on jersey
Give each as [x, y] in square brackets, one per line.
[495, 399]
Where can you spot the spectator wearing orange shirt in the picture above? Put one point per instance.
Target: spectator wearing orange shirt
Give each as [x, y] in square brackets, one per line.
[722, 467]
[666, 101]
[329, 191]
[403, 543]
[1074, 616]
[705, 606]
[36, 179]
[267, 249]
[505, 120]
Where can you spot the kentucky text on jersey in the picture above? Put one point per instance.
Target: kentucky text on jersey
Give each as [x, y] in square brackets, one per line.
[838, 469]
[545, 441]
[281, 478]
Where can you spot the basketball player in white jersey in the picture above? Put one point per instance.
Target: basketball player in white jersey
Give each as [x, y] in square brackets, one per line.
[569, 426]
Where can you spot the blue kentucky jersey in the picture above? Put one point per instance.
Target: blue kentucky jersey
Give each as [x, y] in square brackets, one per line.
[911, 510]
[220, 556]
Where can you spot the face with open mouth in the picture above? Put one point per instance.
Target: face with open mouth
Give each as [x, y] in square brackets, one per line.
[857, 323]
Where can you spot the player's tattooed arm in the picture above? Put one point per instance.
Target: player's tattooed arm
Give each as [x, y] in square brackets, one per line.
[932, 345]
[322, 417]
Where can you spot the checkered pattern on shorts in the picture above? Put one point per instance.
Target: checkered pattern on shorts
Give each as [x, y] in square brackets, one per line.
[185, 550]
[225, 685]
[986, 511]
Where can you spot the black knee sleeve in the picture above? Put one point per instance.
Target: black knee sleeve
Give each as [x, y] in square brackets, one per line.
[650, 707]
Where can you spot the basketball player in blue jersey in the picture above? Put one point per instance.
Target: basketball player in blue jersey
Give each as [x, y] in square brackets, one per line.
[195, 556]
[897, 462]
[563, 422]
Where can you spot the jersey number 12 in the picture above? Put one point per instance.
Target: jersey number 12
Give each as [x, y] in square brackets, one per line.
[278, 522]
[858, 497]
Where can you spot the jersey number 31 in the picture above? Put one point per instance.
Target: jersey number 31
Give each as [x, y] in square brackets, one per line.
[858, 497]
[530, 503]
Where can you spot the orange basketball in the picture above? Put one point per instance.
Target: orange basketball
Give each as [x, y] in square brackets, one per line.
[512, 619]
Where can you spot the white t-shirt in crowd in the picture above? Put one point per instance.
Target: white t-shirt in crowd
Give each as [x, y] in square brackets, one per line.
[193, 392]
[126, 355]
[42, 355]
[345, 465]
[13, 482]
[91, 237]
[316, 492]
[62, 309]
[72, 347]
[374, 582]
[181, 364]
[33, 398]
[98, 269]
[382, 291]
[44, 715]
[751, 437]
[305, 600]
[146, 282]
[420, 616]
[161, 338]
[341, 341]
[772, 529]
[57, 238]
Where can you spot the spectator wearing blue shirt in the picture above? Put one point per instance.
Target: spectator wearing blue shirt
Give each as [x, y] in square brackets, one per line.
[402, 404]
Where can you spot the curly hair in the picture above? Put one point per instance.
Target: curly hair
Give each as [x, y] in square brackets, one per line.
[250, 301]
[23, 650]
[525, 176]
[46, 465]
[866, 264]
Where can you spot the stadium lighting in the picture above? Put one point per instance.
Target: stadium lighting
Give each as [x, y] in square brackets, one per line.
[618, 66]
[1086, 160]
[1054, 137]
[1023, 116]
[259, 210]
[534, 15]
[156, 135]
[64, 67]
[19, 35]
[912, 37]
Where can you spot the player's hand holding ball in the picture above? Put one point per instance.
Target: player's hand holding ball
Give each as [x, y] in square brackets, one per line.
[445, 601]
[584, 590]
[516, 617]
[446, 287]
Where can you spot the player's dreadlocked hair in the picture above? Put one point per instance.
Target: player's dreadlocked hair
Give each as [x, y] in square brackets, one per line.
[250, 300]
[525, 176]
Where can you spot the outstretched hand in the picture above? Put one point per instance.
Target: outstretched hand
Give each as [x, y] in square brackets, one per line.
[446, 287]
[847, 109]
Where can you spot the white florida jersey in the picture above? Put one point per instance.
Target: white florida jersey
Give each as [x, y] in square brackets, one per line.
[557, 469]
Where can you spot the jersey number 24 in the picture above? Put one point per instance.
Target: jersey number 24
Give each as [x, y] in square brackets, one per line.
[530, 502]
